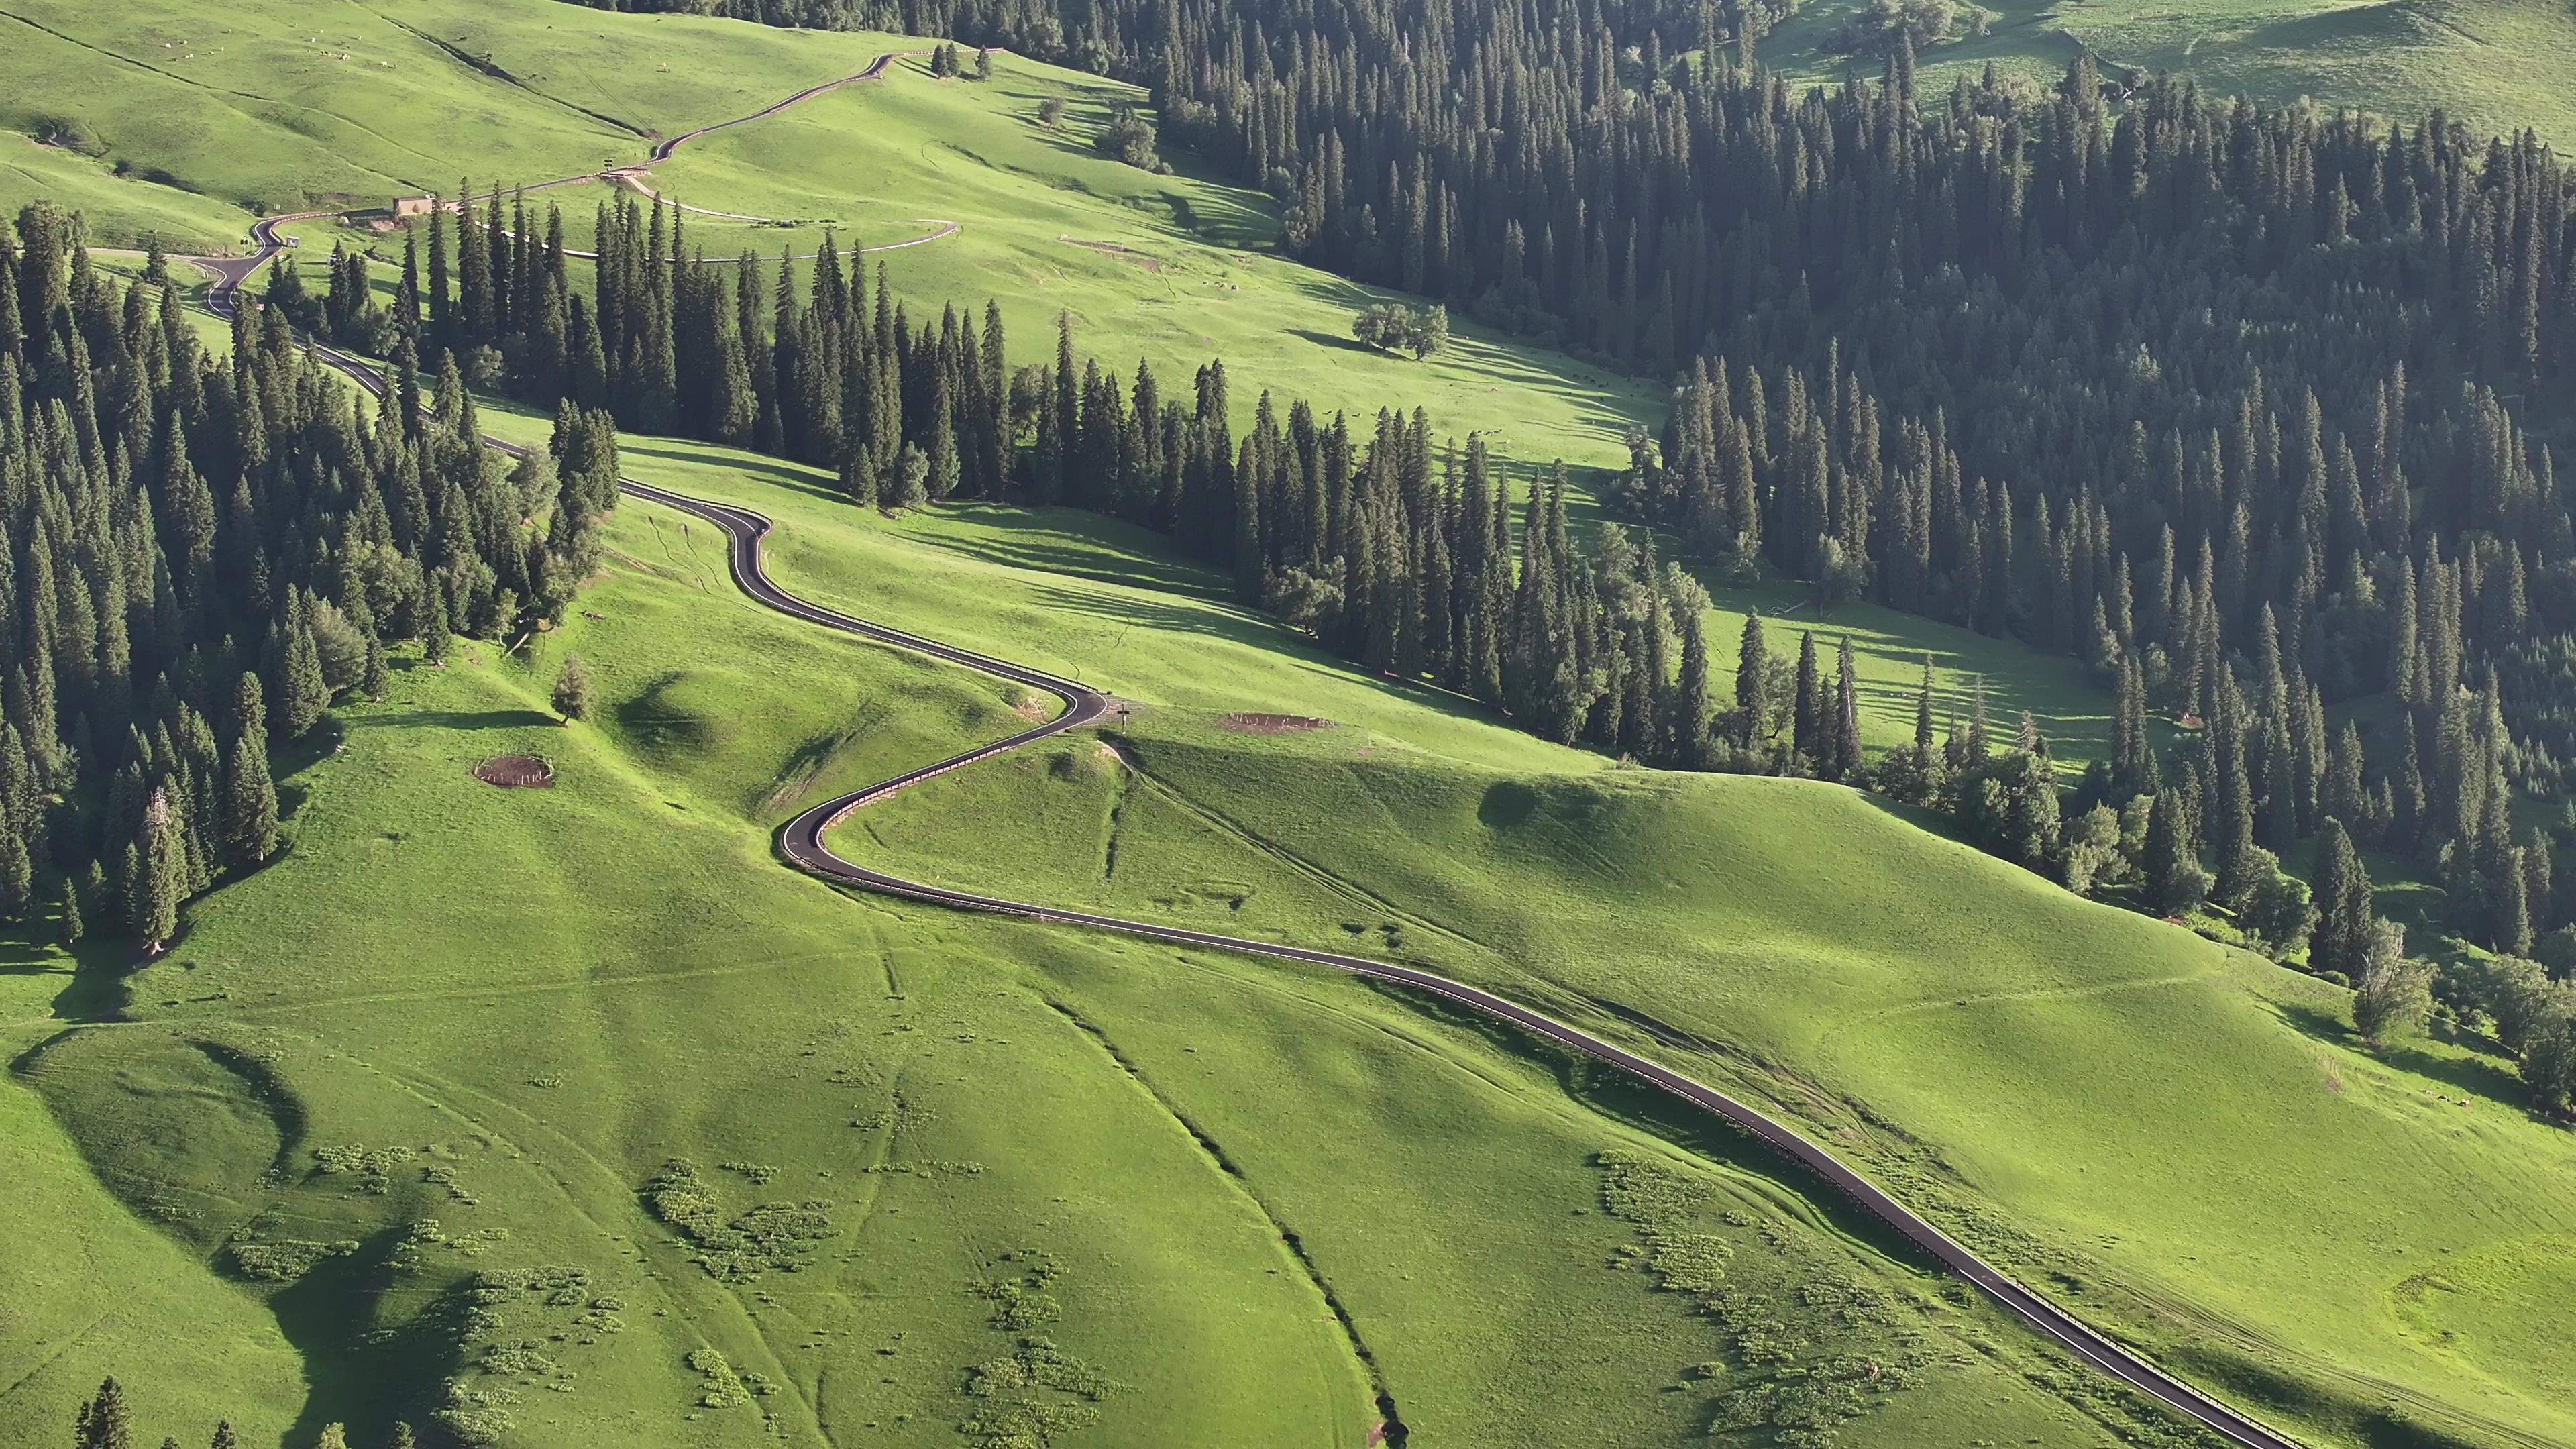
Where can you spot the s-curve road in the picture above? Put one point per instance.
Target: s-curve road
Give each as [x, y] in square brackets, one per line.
[801, 841]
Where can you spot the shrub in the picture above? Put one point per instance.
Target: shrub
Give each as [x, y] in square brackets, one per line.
[1130, 138]
[339, 644]
[2395, 994]
[2277, 915]
[574, 694]
[1390, 327]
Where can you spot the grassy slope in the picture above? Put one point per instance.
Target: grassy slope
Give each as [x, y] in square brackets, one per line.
[2490, 63]
[546, 994]
[2079, 1089]
[117, 210]
[1966, 1003]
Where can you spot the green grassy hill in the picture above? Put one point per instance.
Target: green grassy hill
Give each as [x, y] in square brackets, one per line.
[1234, 1200]
[2076, 1087]
[2494, 64]
[388, 1131]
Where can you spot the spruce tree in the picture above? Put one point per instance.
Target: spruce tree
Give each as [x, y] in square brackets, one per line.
[160, 875]
[2341, 892]
[911, 478]
[1690, 695]
[2175, 883]
[250, 798]
[1923, 736]
[301, 693]
[1847, 752]
[1807, 710]
[2232, 829]
[105, 1421]
[2392, 995]
[17, 874]
[1752, 668]
[67, 915]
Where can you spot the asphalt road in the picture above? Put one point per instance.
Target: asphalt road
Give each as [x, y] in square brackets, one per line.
[801, 842]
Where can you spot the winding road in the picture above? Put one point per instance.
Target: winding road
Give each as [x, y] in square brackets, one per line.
[801, 842]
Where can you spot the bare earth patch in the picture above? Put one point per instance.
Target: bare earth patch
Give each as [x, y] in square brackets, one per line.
[1273, 724]
[523, 772]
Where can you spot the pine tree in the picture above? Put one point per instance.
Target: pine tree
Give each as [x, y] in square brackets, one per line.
[67, 915]
[333, 1436]
[250, 796]
[2341, 891]
[301, 693]
[1807, 717]
[2175, 883]
[1752, 667]
[105, 1422]
[402, 1438]
[1847, 761]
[224, 1436]
[159, 879]
[17, 875]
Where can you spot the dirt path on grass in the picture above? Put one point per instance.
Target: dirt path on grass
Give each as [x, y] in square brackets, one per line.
[230, 273]
[801, 842]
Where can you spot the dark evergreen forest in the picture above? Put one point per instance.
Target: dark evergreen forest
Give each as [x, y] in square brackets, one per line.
[2250, 407]
[1398, 553]
[198, 552]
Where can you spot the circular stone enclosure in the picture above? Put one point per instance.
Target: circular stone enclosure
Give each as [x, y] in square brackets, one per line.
[516, 772]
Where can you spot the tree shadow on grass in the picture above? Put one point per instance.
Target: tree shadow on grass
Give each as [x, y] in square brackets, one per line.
[1040, 551]
[804, 480]
[1257, 632]
[2487, 1076]
[455, 719]
[1330, 342]
[357, 1376]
